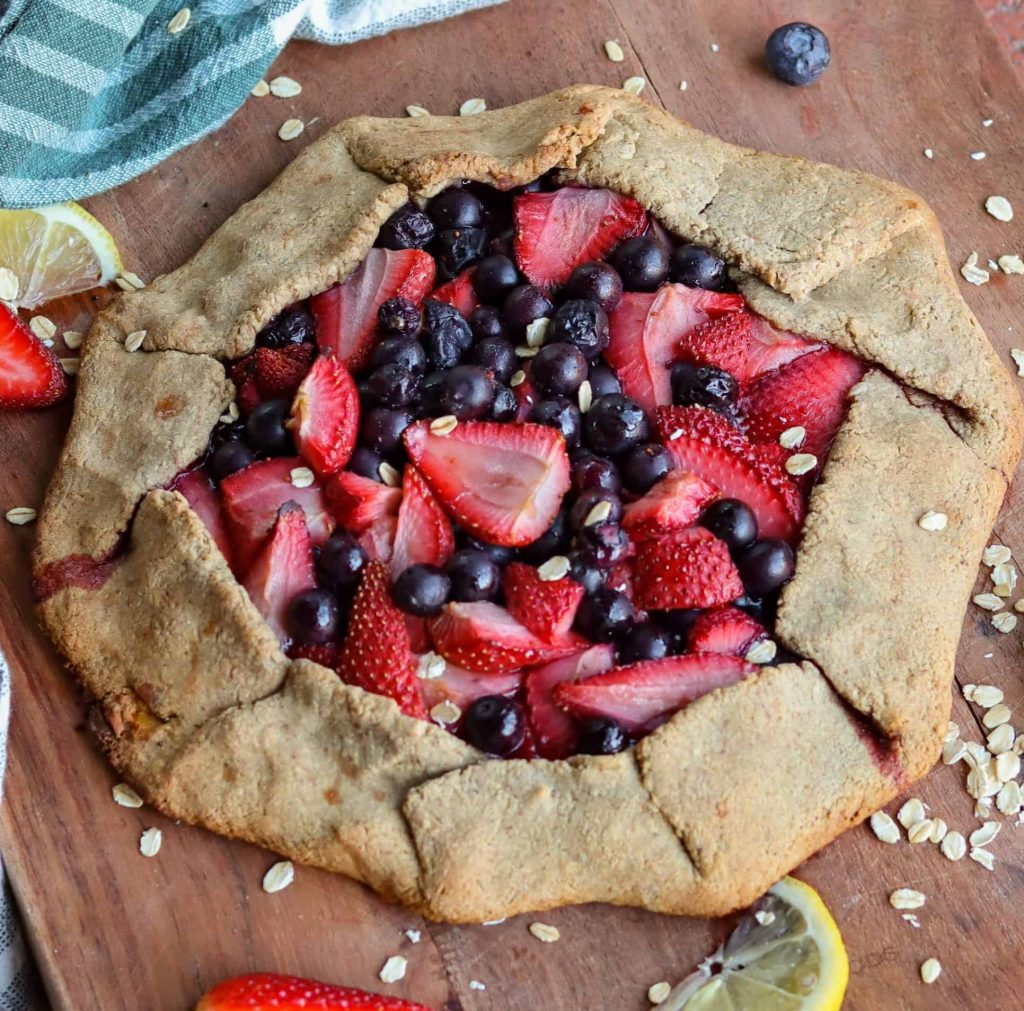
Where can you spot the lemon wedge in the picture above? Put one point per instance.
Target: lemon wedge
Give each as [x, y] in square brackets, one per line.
[786, 954]
[52, 251]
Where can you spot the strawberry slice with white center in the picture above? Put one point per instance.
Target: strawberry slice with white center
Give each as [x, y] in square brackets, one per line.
[325, 416]
[378, 539]
[463, 687]
[482, 636]
[646, 332]
[459, 292]
[504, 483]
[692, 568]
[705, 443]
[424, 532]
[724, 630]
[253, 496]
[556, 232]
[30, 373]
[644, 695]
[283, 569]
[674, 503]
[743, 344]
[376, 654]
[346, 315]
[357, 502]
[201, 495]
[546, 607]
[554, 730]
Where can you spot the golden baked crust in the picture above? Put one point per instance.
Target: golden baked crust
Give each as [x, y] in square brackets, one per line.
[199, 707]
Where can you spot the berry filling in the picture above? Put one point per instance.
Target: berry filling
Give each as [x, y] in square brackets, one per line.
[534, 470]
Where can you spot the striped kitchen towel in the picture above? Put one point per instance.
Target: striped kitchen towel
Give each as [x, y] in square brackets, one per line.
[94, 92]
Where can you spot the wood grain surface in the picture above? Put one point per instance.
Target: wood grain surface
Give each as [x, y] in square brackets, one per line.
[113, 930]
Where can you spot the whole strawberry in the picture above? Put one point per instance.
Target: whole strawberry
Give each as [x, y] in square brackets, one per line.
[269, 991]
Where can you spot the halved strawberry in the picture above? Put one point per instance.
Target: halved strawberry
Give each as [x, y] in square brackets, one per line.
[378, 539]
[503, 483]
[459, 292]
[376, 655]
[357, 502]
[346, 315]
[724, 630]
[812, 392]
[30, 373]
[282, 569]
[691, 568]
[484, 637]
[325, 416]
[263, 991]
[198, 489]
[707, 444]
[463, 686]
[546, 608]
[555, 232]
[644, 695]
[424, 532]
[674, 503]
[646, 331]
[554, 730]
[743, 344]
[253, 496]
[325, 654]
[279, 371]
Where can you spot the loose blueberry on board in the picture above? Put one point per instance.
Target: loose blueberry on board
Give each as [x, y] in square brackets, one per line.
[704, 386]
[765, 566]
[229, 457]
[456, 208]
[560, 413]
[645, 641]
[615, 424]
[644, 466]
[595, 281]
[605, 615]
[382, 427]
[591, 577]
[293, 326]
[495, 724]
[366, 463]
[497, 355]
[486, 321]
[583, 324]
[341, 561]
[697, 267]
[421, 589]
[731, 521]
[797, 53]
[398, 317]
[459, 248]
[407, 228]
[607, 503]
[466, 392]
[601, 736]
[525, 304]
[474, 575]
[495, 276]
[590, 471]
[400, 351]
[558, 368]
[313, 616]
[642, 263]
[265, 430]
[392, 385]
[447, 335]
[603, 381]
[506, 404]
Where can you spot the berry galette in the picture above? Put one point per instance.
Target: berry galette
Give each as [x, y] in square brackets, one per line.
[551, 505]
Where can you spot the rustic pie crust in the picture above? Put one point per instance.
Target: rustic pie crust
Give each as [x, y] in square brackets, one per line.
[198, 707]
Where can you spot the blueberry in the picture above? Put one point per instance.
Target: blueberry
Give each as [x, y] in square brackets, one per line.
[761, 609]
[605, 615]
[313, 616]
[595, 281]
[704, 386]
[603, 545]
[392, 385]
[603, 381]
[590, 472]
[583, 324]
[560, 413]
[591, 577]
[642, 263]
[407, 228]
[293, 326]
[474, 575]
[644, 466]
[229, 457]
[265, 430]
[382, 427]
[552, 542]
[697, 267]
[466, 392]
[447, 335]
[498, 553]
[459, 248]
[226, 431]
[645, 641]
[525, 304]
[601, 736]
[495, 724]
[765, 566]
[731, 521]
[497, 355]
[680, 621]
[456, 208]
[797, 53]
[398, 317]
[485, 321]
[607, 504]
[400, 351]
[558, 368]
[495, 276]
[341, 561]
[421, 589]
[366, 463]
[614, 424]
[505, 406]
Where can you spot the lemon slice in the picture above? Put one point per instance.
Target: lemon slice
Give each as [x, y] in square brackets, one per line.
[786, 954]
[54, 251]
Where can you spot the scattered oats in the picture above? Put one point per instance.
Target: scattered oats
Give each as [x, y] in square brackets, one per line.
[290, 129]
[954, 846]
[9, 285]
[260, 89]
[20, 516]
[494, 923]
[73, 339]
[988, 601]
[714, 47]
[910, 813]
[416, 111]
[475, 984]
[1018, 745]
[125, 796]
[953, 752]
[231, 414]
[982, 782]
[598, 513]
[985, 696]
[1010, 263]
[993, 266]
[1004, 572]
[921, 831]
[930, 970]
[801, 463]
[634, 85]
[544, 932]
[981, 837]
[389, 475]
[472, 107]
[585, 396]
[134, 280]
[134, 340]
[43, 327]
[978, 155]
[123, 284]
[983, 808]
[180, 21]
[537, 332]
[301, 477]
[1007, 767]
[393, 969]
[931, 520]
[149, 843]
[996, 716]
[939, 830]
[906, 898]
[431, 665]
[793, 438]
[525, 351]
[987, 122]
[762, 652]
[983, 857]
[445, 712]
[683, 85]
[1004, 622]
[413, 935]
[444, 425]
[1009, 799]
[929, 153]
[952, 731]
[999, 208]
[658, 993]
[555, 568]
[1018, 359]
[885, 828]
[279, 877]
[764, 917]
[912, 920]
[285, 87]
[70, 365]
[1001, 739]
[518, 378]
[614, 51]
[977, 753]
[972, 273]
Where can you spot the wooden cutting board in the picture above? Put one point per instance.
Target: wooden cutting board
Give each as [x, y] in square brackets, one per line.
[113, 930]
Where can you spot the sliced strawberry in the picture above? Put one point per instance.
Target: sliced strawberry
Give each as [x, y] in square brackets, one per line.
[503, 482]
[546, 608]
[198, 489]
[646, 331]
[463, 686]
[674, 503]
[705, 443]
[743, 344]
[247, 389]
[724, 630]
[555, 232]
[253, 496]
[642, 696]
[376, 654]
[424, 532]
[555, 732]
[325, 416]
[30, 373]
[357, 502]
[326, 654]
[378, 539]
[279, 371]
[812, 392]
[459, 292]
[346, 315]
[282, 569]
[691, 568]
[263, 991]
[419, 637]
[484, 637]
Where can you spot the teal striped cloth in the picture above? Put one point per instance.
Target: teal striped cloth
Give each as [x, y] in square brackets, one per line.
[94, 92]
